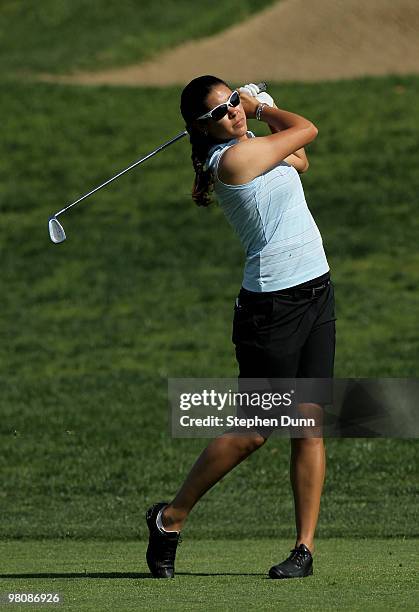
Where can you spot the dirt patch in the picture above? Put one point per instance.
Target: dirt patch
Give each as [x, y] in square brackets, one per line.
[294, 40]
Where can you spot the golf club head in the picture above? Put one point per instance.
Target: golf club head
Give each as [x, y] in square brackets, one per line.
[56, 230]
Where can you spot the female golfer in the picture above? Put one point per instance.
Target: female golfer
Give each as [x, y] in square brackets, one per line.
[284, 323]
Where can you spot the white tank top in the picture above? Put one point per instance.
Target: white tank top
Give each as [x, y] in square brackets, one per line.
[282, 242]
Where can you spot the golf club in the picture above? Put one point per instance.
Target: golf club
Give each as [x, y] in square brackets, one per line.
[56, 230]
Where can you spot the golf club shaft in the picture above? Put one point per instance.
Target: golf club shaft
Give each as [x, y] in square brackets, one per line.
[163, 146]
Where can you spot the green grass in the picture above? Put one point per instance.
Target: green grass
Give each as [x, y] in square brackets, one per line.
[348, 575]
[58, 36]
[143, 289]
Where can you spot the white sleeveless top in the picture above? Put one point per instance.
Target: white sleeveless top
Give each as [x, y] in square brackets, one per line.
[283, 245]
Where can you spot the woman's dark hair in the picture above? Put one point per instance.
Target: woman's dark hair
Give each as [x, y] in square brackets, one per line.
[192, 106]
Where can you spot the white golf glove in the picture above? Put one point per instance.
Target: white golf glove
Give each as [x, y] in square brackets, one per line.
[261, 96]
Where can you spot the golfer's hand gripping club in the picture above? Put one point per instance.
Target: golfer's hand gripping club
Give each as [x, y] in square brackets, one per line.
[259, 92]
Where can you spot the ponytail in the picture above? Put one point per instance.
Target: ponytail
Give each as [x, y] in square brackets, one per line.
[203, 184]
[192, 105]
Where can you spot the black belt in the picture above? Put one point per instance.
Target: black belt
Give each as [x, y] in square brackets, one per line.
[305, 291]
[248, 297]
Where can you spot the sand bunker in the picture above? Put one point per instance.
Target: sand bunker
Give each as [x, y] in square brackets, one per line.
[294, 40]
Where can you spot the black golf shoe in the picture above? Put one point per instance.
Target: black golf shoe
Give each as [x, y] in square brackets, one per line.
[161, 551]
[298, 565]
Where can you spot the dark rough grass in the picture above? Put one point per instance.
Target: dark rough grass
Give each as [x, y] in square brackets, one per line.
[215, 575]
[143, 289]
[63, 35]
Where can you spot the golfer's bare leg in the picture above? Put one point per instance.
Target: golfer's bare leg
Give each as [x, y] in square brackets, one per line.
[307, 471]
[218, 458]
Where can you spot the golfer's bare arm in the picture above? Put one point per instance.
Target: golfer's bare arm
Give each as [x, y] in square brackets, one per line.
[298, 159]
[248, 159]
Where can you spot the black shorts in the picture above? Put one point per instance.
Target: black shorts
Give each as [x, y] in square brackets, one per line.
[288, 333]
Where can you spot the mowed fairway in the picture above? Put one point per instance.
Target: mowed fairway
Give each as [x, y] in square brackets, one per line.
[215, 575]
[143, 289]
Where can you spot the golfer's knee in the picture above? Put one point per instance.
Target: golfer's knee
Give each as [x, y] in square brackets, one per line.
[307, 443]
[252, 442]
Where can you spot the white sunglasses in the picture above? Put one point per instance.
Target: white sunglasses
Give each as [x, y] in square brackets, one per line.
[220, 111]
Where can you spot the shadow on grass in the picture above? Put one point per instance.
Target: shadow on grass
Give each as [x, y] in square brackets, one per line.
[119, 575]
[219, 574]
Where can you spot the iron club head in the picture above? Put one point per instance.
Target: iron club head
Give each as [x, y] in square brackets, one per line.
[56, 230]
